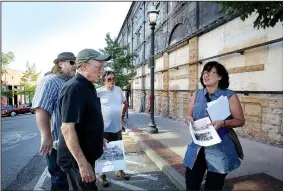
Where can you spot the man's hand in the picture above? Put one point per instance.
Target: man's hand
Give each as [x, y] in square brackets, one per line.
[46, 145]
[217, 124]
[105, 141]
[87, 173]
[123, 119]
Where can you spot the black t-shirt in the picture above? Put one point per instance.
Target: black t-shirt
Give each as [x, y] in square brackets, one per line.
[79, 104]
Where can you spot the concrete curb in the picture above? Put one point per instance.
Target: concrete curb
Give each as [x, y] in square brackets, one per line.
[177, 179]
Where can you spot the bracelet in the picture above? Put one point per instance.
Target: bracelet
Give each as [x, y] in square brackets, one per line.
[224, 123]
[123, 114]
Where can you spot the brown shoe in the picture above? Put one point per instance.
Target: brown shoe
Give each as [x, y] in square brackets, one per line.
[103, 181]
[122, 175]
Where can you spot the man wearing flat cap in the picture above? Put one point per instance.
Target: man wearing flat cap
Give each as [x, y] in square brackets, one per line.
[45, 103]
[81, 142]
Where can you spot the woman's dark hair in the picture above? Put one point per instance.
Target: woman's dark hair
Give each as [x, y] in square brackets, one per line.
[106, 74]
[221, 71]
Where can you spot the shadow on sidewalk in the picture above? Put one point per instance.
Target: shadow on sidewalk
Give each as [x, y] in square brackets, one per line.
[155, 149]
[260, 181]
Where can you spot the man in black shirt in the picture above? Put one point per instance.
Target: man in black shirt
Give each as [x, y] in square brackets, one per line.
[81, 142]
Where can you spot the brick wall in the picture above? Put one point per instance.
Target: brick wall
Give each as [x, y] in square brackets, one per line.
[263, 112]
[263, 116]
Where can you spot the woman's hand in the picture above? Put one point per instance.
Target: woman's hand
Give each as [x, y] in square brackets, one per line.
[189, 119]
[217, 124]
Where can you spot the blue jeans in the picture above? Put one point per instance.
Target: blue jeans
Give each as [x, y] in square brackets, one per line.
[58, 177]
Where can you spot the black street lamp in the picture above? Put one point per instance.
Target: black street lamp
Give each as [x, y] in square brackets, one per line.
[152, 15]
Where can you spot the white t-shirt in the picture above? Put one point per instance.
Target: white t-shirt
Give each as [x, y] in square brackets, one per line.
[111, 107]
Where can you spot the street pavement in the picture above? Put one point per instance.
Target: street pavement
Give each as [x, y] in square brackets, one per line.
[20, 144]
[261, 168]
[24, 169]
[144, 174]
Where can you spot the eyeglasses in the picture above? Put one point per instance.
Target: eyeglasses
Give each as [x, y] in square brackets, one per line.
[70, 61]
[101, 68]
[110, 79]
[211, 73]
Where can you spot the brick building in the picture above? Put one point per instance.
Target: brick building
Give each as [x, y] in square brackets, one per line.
[11, 80]
[187, 35]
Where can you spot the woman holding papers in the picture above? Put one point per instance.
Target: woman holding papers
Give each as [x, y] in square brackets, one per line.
[221, 158]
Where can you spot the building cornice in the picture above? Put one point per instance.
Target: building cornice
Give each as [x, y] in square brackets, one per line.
[125, 20]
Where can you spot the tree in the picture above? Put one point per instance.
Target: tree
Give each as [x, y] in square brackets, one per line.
[121, 62]
[7, 93]
[269, 13]
[28, 81]
[6, 59]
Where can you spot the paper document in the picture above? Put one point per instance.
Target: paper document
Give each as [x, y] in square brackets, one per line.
[219, 109]
[113, 158]
[204, 134]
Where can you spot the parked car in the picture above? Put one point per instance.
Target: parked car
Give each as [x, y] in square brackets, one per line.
[6, 107]
[16, 111]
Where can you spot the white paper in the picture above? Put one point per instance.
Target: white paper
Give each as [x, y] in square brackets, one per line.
[113, 158]
[211, 103]
[204, 134]
[219, 109]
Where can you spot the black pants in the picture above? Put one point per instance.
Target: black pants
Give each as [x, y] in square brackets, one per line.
[75, 180]
[113, 136]
[194, 177]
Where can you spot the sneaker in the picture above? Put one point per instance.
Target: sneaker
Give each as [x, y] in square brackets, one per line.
[122, 175]
[103, 181]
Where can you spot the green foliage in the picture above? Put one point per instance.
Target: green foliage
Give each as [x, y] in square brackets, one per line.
[6, 59]
[121, 62]
[28, 81]
[7, 93]
[269, 13]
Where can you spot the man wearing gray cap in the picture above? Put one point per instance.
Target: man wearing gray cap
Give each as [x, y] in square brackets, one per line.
[81, 142]
[45, 103]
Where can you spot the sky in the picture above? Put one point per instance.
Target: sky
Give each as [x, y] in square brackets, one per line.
[38, 31]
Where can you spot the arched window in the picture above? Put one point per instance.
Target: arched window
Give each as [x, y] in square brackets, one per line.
[178, 33]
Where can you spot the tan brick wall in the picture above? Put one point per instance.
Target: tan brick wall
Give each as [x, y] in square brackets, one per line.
[164, 99]
[158, 103]
[246, 71]
[263, 114]
[178, 104]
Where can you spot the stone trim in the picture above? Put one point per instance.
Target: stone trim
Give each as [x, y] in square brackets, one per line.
[179, 77]
[253, 68]
[263, 102]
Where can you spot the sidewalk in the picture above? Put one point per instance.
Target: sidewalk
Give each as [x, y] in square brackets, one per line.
[261, 169]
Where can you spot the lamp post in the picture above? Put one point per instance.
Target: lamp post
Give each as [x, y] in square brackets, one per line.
[152, 15]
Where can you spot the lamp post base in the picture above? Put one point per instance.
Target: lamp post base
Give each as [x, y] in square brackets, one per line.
[152, 128]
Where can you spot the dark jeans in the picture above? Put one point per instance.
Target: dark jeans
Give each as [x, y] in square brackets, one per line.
[75, 180]
[194, 177]
[58, 177]
[113, 136]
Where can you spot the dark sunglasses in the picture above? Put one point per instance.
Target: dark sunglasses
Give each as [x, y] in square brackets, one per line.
[110, 79]
[72, 62]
